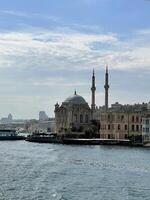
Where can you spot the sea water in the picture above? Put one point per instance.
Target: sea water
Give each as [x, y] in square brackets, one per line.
[32, 171]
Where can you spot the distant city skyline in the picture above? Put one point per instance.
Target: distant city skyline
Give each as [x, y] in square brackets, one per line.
[49, 48]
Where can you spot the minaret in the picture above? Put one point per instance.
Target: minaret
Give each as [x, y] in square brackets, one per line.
[106, 86]
[93, 89]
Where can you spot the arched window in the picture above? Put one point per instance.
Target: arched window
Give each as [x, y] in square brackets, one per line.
[133, 127]
[86, 118]
[126, 127]
[137, 118]
[119, 127]
[81, 118]
[133, 119]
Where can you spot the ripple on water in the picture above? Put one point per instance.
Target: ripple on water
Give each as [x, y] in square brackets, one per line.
[46, 171]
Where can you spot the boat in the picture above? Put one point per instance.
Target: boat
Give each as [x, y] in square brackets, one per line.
[43, 137]
[10, 134]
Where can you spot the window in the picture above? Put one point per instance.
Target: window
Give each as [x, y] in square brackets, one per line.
[126, 136]
[126, 127]
[118, 126]
[133, 119]
[81, 118]
[133, 127]
[108, 136]
[108, 126]
[122, 118]
[147, 130]
[137, 118]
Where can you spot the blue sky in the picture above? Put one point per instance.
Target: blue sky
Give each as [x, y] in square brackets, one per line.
[48, 48]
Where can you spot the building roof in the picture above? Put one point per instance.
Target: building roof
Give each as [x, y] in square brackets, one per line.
[75, 99]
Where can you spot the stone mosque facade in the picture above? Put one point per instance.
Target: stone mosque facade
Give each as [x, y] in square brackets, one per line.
[75, 113]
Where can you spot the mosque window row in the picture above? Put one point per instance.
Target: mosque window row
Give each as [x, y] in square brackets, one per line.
[82, 118]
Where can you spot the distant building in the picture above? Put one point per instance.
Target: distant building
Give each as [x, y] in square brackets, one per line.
[7, 120]
[43, 116]
[10, 118]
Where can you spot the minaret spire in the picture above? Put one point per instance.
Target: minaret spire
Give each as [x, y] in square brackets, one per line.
[106, 86]
[93, 89]
[75, 92]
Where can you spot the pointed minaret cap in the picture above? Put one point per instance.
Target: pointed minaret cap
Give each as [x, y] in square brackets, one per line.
[106, 68]
[75, 92]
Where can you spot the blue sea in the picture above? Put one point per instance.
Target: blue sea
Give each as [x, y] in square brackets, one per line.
[32, 171]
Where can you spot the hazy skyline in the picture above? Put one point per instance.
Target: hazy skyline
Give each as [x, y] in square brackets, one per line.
[49, 48]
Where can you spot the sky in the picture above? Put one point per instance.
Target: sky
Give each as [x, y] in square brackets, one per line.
[48, 48]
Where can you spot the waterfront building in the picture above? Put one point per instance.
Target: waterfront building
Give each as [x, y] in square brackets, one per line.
[74, 114]
[121, 121]
[146, 128]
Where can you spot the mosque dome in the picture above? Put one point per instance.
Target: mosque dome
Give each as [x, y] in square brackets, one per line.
[75, 99]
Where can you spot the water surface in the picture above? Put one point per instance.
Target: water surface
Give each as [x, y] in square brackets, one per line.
[32, 171]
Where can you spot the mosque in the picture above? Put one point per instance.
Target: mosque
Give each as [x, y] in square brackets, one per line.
[119, 121]
[74, 114]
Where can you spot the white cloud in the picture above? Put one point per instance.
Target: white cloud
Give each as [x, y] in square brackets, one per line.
[49, 49]
[72, 50]
[29, 15]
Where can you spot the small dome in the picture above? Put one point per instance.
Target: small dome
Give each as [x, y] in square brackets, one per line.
[75, 99]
